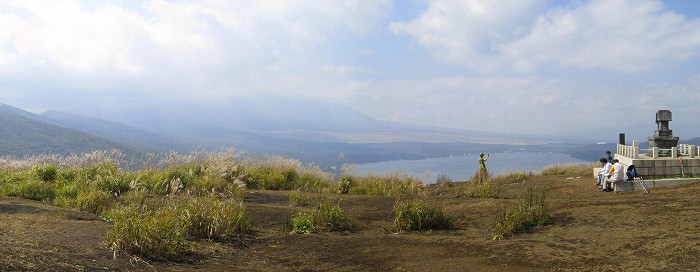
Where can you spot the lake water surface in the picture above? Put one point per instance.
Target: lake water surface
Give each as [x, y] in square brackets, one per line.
[461, 168]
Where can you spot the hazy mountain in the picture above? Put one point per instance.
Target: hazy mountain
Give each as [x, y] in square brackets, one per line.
[115, 131]
[21, 135]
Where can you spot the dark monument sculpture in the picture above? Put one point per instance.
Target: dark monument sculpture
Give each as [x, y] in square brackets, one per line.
[663, 137]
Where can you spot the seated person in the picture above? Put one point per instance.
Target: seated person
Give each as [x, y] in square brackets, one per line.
[616, 174]
[604, 172]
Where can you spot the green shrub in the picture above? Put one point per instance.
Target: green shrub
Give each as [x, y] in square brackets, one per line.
[418, 215]
[46, 173]
[93, 201]
[326, 216]
[329, 216]
[67, 175]
[153, 182]
[34, 189]
[116, 184]
[530, 211]
[92, 171]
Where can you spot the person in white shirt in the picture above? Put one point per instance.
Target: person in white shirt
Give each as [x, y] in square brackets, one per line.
[604, 172]
[616, 174]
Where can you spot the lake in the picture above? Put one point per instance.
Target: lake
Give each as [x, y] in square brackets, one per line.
[461, 168]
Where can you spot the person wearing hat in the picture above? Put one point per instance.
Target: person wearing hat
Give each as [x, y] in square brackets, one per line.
[482, 162]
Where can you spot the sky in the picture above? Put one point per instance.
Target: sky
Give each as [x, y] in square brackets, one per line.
[519, 66]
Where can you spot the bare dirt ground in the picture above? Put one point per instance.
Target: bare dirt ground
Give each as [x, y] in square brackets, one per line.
[592, 231]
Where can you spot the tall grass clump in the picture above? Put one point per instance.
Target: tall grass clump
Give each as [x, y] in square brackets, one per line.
[480, 185]
[530, 211]
[569, 169]
[419, 215]
[326, 216]
[166, 231]
[153, 234]
[279, 173]
[390, 184]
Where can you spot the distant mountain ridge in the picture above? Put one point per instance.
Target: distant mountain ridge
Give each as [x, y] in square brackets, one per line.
[21, 134]
[308, 130]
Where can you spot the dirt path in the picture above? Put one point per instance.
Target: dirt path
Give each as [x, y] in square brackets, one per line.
[593, 231]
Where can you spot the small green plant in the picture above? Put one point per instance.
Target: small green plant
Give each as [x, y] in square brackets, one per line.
[531, 211]
[344, 184]
[301, 224]
[418, 215]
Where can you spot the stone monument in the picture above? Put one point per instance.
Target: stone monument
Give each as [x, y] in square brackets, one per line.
[663, 137]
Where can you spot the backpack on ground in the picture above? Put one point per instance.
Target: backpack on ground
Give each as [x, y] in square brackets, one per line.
[631, 173]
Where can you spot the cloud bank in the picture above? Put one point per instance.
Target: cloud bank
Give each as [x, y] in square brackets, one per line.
[531, 66]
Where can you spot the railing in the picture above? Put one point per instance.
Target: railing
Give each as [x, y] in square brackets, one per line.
[633, 151]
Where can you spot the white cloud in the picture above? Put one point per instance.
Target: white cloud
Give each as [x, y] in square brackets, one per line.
[183, 38]
[618, 35]
[470, 32]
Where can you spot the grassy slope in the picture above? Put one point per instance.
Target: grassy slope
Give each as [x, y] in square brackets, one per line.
[21, 136]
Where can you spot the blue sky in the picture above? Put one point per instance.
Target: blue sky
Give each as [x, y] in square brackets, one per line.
[526, 66]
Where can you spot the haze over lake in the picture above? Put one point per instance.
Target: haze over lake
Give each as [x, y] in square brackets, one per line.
[461, 168]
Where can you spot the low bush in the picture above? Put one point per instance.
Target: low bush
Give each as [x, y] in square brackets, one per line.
[531, 211]
[418, 215]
